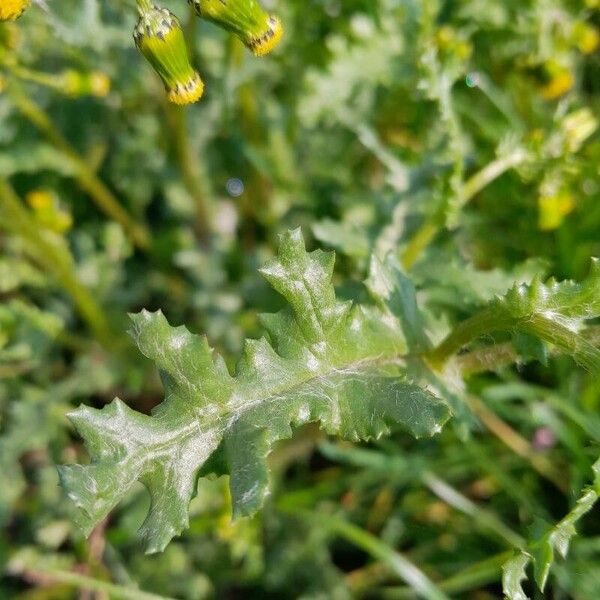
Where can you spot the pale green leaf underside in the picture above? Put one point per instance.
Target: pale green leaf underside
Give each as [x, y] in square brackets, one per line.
[326, 361]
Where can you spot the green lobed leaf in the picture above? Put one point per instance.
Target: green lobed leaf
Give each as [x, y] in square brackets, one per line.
[558, 537]
[554, 538]
[345, 237]
[388, 281]
[567, 301]
[325, 360]
[530, 347]
[555, 311]
[397, 296]
[513, 574]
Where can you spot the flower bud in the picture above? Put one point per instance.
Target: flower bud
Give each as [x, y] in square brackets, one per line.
[553, 208]
[77, 84]
[12, 9]
[259, 31]
[586, 38]
[159, 37]
[559, 79]
[47, 211]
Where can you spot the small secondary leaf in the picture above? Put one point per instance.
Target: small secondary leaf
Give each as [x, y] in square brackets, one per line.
[553, 312]
[541, 550]
[567, 301]
[326, 361]
[558, 537]
[513, 574]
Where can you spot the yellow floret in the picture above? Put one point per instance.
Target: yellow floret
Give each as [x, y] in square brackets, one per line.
[12, 9]
[40, 199]
[99, 84]
[559, 85]
[187, 92]
[553, 209]
[588, 41]
[265, 43]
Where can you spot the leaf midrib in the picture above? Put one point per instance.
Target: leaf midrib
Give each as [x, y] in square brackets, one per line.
[191, 428]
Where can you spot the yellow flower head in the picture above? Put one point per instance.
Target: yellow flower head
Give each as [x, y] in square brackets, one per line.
[47, 211]
[552, 210]
[99, 84]
[559, 80]
[586, 38]
[257, 29]
[159, 37]
[12, 9]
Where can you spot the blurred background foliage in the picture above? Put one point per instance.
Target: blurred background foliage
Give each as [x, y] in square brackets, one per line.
[460, 134]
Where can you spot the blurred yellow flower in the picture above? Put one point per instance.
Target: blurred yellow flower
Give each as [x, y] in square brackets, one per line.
[552, 209]
[47, 211]
[586, 38]
[559, 85]
[74, 83]
[99, 84]
[12, 9]
[449, 41]
[9, 36]
[40, 199]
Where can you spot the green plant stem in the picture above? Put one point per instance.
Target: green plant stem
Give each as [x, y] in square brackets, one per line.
[42, 573]
[379, 550]
[420, 240]
[85, 176]
[491, 319]
[432, 225]
[491, 172]
[481, 573]
[52, 81]
[504, 354]
[487, 358]
[565, 339]
[484, 518]
[51, 253]
[518, 444]
[482, 323]
[191, 171]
